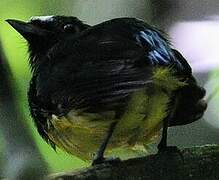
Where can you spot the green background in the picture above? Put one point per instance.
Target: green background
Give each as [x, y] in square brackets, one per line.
[16, 52]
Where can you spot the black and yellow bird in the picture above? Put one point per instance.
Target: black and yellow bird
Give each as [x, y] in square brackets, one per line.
[115, 84]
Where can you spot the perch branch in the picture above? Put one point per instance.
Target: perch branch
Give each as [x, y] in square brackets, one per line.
[194, 163]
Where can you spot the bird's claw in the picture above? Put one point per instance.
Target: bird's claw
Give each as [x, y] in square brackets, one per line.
[170, 149]
[102, 160]
[167, 149]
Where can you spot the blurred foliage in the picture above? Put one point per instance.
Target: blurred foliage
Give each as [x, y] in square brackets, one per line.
[16, 51]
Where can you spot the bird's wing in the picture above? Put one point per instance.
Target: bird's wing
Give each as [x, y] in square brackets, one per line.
[99, 72]
[100, 75]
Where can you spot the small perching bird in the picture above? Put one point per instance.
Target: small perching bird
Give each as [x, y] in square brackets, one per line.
[115, 84]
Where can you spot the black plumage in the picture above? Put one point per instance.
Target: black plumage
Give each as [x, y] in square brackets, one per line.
[98, 69]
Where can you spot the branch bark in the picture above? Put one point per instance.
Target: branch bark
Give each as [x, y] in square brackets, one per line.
[194, 163]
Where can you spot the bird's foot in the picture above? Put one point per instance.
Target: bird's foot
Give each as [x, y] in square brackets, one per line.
[102, 160]
[170, 149]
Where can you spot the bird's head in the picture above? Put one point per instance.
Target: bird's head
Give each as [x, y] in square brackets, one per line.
[43, 32]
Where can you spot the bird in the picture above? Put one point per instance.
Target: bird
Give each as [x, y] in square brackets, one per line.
[118, 83]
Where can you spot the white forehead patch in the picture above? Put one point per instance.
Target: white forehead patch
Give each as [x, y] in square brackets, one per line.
[42, 18]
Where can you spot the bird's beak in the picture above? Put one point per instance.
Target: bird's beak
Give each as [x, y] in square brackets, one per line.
[26, 29]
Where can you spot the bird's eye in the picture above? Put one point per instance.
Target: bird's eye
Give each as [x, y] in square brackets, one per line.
[71, 28]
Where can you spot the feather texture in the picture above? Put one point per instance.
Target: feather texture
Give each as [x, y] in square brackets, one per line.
[120, 70]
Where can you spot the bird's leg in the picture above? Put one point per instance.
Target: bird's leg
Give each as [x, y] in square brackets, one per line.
[162, 146]
[99, 156]
[163, 142]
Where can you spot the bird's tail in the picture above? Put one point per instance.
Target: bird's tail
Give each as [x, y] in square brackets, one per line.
[191, 104]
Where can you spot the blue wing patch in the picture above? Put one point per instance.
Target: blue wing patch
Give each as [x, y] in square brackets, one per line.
[159, 51]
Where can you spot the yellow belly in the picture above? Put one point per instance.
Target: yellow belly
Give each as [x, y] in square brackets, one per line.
[81, 133]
